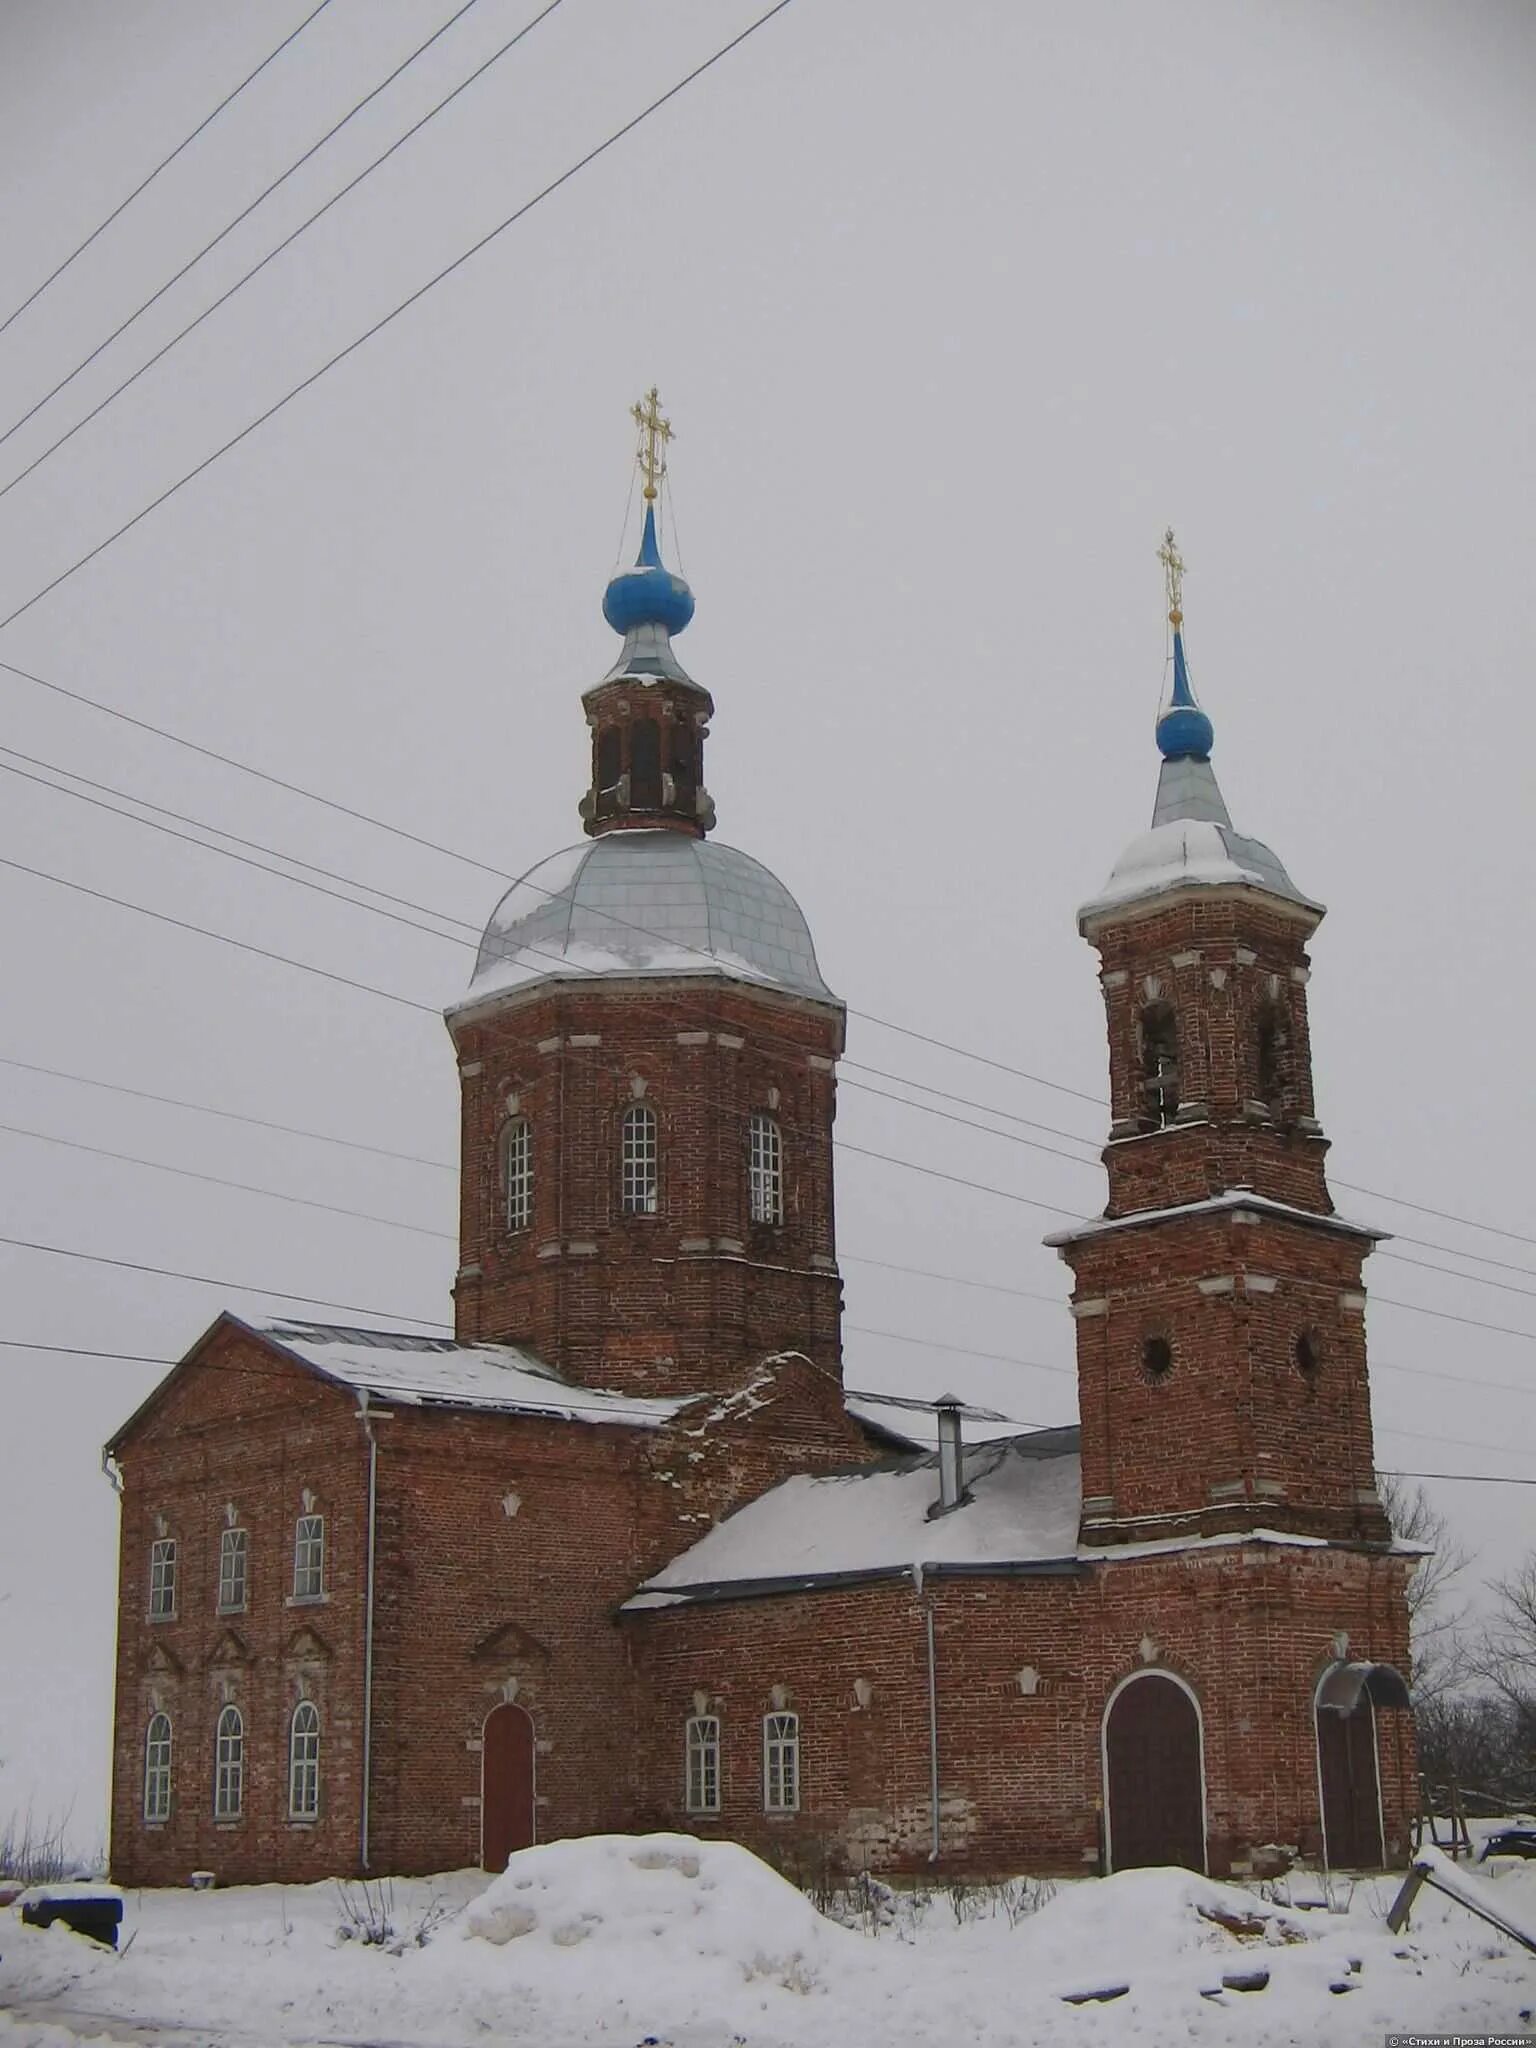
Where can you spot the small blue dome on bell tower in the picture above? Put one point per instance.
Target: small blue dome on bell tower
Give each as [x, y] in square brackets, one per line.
[649, 594]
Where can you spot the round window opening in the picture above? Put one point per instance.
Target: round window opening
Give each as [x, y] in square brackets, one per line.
[1304, 1353]
[1156, 1358]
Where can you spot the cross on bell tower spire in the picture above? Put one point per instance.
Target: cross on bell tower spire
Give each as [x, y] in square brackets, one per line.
[655, 432]
[1173, 572]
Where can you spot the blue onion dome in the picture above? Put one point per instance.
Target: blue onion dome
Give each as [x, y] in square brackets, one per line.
[1184, 733]
[649, 594]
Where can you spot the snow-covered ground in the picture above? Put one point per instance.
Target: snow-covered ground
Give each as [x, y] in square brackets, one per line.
[624, 1940]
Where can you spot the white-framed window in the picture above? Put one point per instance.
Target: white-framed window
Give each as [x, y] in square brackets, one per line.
[639, 1160]
[234, 1551]
[781, 1763]
[765, 1169]
[304, 1762]
[702, 1764]
[157, 1768]
[228, 1765]
[517, 1173]
[309, 1557]
[162, 1578]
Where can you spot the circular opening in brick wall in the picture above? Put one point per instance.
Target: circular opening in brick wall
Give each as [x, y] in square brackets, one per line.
[1305, 1354]
[1156, 1358]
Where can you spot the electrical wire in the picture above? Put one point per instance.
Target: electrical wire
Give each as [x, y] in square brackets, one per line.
[350, 1308]
[217, 1181]
[484, 867]
[256, 268]
[164, 164]
[466, 255]
[844, 1145]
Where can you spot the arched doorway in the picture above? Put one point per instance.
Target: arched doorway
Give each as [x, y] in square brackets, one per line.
[1154, 1774]
[1348, 1781]
[506, 1785]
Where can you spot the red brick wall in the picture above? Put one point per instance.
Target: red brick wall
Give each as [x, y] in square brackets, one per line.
[1236, 1433]
[1021, 1783]
[468, 1598]
[1215, 959]
[668, 1302]
[238, 1425]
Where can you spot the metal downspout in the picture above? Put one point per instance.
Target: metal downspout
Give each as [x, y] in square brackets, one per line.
[373, 1505]
[933, 1717]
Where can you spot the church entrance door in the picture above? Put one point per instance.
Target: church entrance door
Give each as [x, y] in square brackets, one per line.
[506, 1785]
[1346, 1762]
[1154, 1775]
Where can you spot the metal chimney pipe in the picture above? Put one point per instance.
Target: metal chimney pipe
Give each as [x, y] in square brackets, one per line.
[951, 1473]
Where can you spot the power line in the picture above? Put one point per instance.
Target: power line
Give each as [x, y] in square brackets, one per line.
[261, 1123]
[224, 939]
[164, 164]
[841, 1144]
[288, 240]
[350, 1308]
[560, 1388]
[501, 874]
[378, 326]
[217, 1181]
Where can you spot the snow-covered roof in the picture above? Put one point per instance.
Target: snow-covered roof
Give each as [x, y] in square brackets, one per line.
[1023, 1500]
[1234, 1198]
[1192, 844]
[417, 1372]
[646, 903]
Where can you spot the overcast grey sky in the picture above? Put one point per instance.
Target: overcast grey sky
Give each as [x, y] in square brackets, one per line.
[954, 308]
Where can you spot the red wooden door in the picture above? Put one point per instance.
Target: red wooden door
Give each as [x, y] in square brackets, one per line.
[1346, 1756]
[506, 1786]
[1153, 1777]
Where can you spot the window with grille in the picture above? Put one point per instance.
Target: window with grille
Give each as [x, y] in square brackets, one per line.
[309, 1557]
[157, 1769]
[229, 1765]
[702, 1750]
[765, 1169]
[639, 1154]
[517, 1172]
[162, 1579]
[233, 1548]
[304, 1762]
[781, 1763]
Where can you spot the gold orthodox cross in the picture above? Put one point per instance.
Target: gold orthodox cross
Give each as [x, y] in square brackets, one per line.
[655, 433]
[1173, 569]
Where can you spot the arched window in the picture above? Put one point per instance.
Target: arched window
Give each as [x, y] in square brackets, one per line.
[234, 1552]
[608, 760]
[1272, 1056]
[309, 1557]
[162, 1579]
[517, 1172]
[765, 1169]
[304, 1762]
[639, 1159]
[781, 1763]
[229, 1765]
[702, 1764]
[157, 1769]
[1160, 1063]
[645, 765]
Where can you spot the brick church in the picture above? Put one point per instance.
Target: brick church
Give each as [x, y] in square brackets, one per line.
[620, 1555]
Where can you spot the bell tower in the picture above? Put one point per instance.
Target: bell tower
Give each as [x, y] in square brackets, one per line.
[1219, 1301]
[648, 1052]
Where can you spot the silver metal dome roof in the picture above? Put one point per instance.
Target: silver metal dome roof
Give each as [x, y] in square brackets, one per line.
[647, 903]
